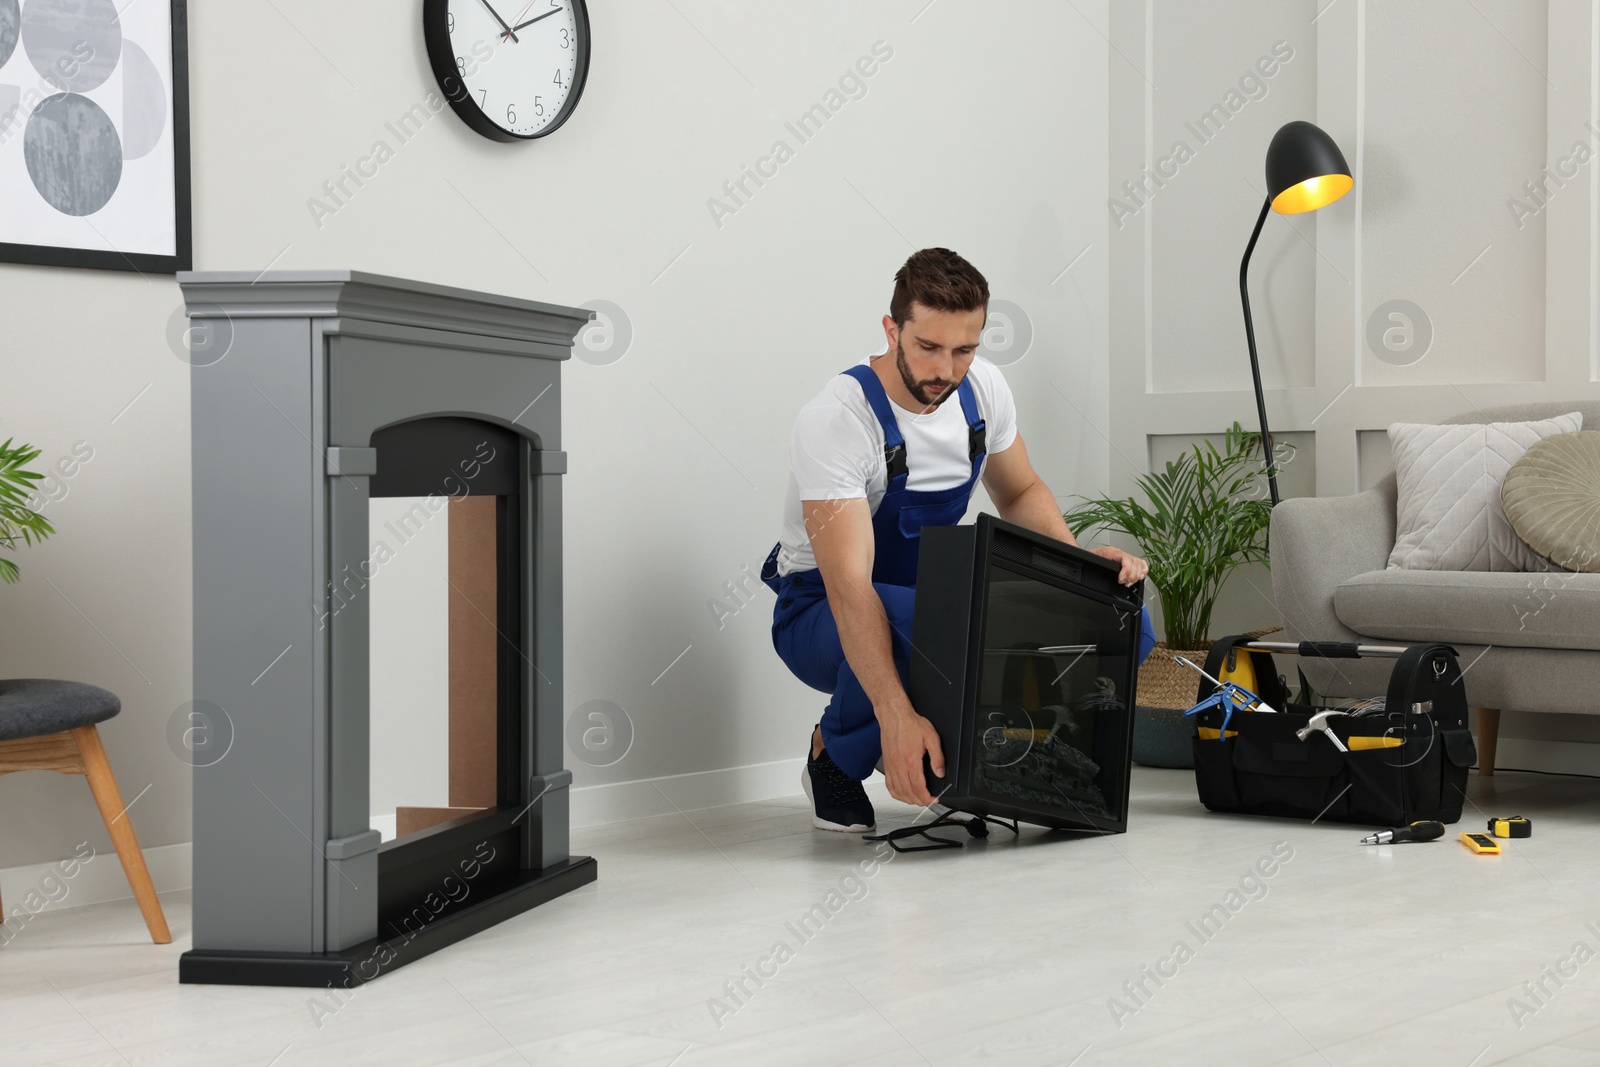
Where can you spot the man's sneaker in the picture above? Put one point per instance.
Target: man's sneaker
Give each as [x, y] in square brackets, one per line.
[837, 800]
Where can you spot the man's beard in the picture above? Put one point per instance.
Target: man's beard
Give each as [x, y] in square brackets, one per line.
[919, 390]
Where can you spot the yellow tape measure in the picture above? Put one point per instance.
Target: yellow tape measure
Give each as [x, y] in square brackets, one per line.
[1516, 826]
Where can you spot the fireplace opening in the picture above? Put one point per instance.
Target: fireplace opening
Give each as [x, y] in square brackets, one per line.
[448, 651]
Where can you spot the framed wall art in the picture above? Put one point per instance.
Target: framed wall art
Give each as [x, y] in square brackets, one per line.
[94, 134]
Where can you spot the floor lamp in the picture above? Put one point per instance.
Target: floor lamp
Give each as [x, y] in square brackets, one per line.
[1305, 171]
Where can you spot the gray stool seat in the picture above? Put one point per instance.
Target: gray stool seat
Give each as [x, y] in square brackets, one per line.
[33, 707]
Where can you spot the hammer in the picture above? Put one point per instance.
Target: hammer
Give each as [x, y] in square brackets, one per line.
[1319, 721]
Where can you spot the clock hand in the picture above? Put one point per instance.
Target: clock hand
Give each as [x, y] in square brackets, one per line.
[536, 18]
[509, 32]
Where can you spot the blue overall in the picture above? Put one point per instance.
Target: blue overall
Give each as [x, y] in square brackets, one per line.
[804, 631]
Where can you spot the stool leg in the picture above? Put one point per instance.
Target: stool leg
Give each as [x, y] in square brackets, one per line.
[1488, 735]
[106, 794]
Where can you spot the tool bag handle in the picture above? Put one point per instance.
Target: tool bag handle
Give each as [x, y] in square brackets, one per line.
[1326, 649]
[1423, 672]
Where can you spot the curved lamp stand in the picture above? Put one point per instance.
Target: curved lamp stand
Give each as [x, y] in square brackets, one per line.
[1255, 364]
[1305, 171]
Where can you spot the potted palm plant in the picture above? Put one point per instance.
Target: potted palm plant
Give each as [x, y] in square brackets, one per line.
[18, 521]
[1203, 516]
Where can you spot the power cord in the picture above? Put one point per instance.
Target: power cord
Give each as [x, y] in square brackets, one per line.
[976, 826]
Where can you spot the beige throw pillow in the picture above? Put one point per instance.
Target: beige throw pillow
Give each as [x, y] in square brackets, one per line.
[1448, 515]
[1552, 497]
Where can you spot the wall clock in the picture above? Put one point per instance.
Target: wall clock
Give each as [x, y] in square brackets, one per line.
[513, 70]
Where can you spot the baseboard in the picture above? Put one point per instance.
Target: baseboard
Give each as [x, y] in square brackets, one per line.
[595, 805]
[1551, 757]
[43, 887]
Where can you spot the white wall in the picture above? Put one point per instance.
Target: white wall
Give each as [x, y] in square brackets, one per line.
[986, 131]
[1187, 183]
[410, 661]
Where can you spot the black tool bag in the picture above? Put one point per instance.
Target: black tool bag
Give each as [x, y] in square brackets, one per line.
[1262, 768]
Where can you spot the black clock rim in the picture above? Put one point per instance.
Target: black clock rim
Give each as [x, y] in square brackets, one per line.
[441, 57]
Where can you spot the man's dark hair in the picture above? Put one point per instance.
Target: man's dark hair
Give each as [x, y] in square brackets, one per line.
[939, 280]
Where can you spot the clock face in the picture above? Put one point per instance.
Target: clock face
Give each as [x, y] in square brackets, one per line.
[512, 69]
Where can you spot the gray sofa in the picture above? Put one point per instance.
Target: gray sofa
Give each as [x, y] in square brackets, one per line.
[1530, 642]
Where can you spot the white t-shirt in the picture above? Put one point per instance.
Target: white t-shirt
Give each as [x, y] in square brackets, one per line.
[836, 450]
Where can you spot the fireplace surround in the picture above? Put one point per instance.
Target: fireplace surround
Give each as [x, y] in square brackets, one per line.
[313, 392]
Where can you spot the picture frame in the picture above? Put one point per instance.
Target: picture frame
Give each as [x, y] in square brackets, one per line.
[94, 135]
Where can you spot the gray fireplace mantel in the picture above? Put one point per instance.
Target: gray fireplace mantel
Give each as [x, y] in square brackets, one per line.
[357, 295]
[293, 373]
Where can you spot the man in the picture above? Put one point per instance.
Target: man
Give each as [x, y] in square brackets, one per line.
[876, 456]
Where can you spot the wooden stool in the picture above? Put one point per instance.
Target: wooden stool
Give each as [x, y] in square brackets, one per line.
[51, 726]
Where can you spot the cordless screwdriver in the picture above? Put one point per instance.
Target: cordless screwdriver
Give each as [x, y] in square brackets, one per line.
[1425, 830]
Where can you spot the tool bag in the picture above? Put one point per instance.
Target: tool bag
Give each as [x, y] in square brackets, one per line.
[1260, 767]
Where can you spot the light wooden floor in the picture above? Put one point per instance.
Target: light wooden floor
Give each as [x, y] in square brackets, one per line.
[1004, 954]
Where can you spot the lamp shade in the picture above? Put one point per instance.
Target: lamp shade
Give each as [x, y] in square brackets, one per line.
[1305, 169]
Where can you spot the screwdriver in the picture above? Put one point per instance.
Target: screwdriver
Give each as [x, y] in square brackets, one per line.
[1424, 830]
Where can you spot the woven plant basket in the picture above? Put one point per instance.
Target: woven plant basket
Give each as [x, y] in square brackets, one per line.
[1166, 683]
[1167, 689]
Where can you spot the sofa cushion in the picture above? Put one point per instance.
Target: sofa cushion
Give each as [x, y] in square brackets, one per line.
[1552, 497]
[1551, 610]
[1448, 516]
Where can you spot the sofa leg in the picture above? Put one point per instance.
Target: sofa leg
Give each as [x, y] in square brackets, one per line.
[1488, 735]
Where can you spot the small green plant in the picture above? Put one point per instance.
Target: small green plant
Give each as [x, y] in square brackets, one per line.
[17, 519]
[1206, 516]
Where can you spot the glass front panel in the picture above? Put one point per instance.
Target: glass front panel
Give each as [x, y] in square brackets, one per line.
[1052, 701]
